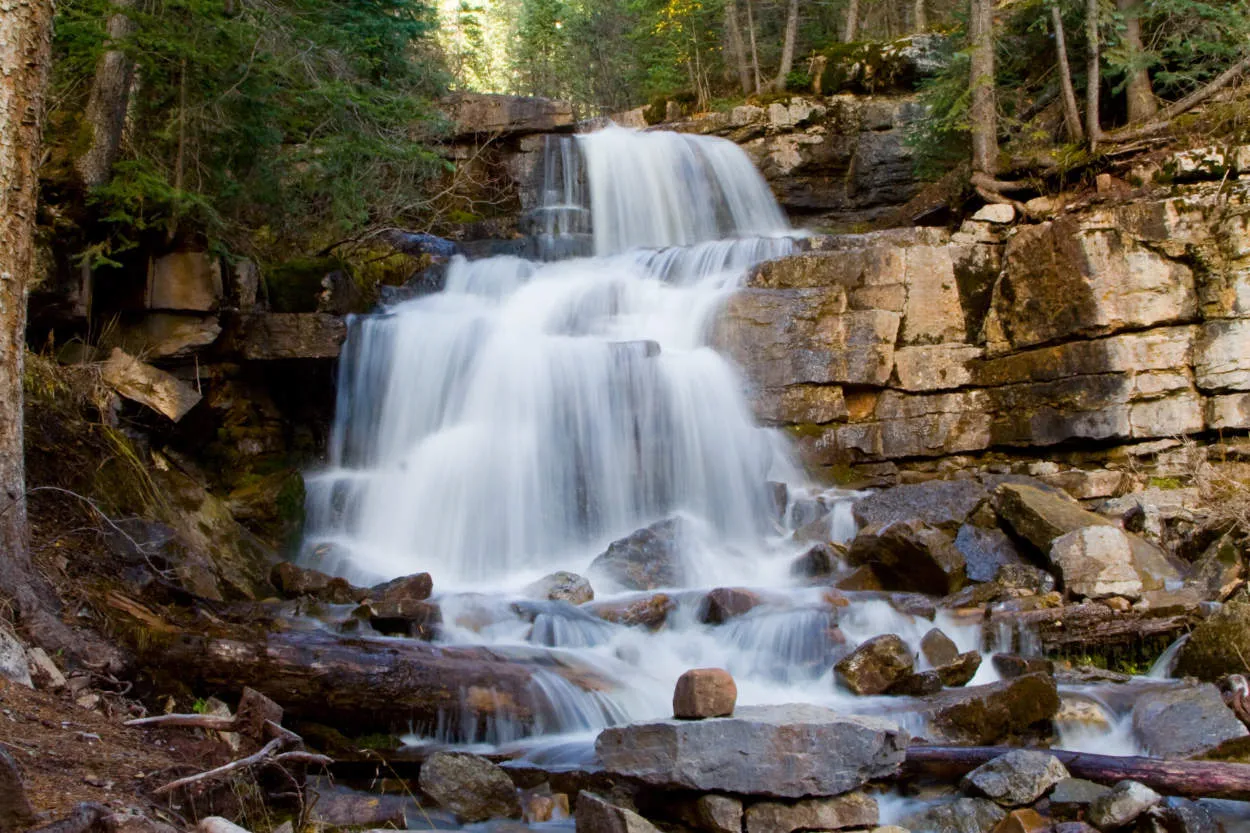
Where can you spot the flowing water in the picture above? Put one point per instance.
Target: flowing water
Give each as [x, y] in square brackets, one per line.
[532, 412]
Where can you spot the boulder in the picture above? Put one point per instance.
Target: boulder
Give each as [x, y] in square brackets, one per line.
[269, 336]
[562, 586]
[413, 588]
[704, 692]
[15, 810]
[850, 810]
[153, 388]
[597, 815]
[349, 808]
[818, 562]
[14, 665]
[402, 617]
[1017, 778]
[724, 603]
[911, 556]
[960, 670]
[945, 504]
[790, 751]
[649, 611]
[1039, 517]
[293, 582]
[714, 813]
[876, 665]
[995, 213]
[1218, 570]
[963, 815]
[918, 685]
[470, 786]
[985, 551]
[648, 559]
[1121, 805]
[169, 335]
[1071, 797]
[1010, 666]
[1218, 646]
[1181, 816]
[1096, 562]
[480, 114]
[1184, 721]
[185, 281]
[938, 648]
[990, 714]
[43, 671]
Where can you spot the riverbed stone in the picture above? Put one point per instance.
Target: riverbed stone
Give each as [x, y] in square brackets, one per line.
[645, 560]
[876, 665]
[650, 611]
[960, 670]
[787, 751]
[985, 551]
[414, 588]
[1017, 778]
[1218, 646]
[938, 648]
[595, 814]
[1184, 721]
[1010, 666]
[562, 586]
[1025, 820]
[911, 556]
[725, 603]
[945, 504]
[294, 582]
[963, 815]
[1071, 797]
[818, 562]
[1122, 805]
[850, 810]
[990, 714]
[704, 692]
[1096, 562]
[714, 813]
[1039, 517]
[470, 786]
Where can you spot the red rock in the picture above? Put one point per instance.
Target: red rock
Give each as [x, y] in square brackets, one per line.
[704, 692]
[724, 603]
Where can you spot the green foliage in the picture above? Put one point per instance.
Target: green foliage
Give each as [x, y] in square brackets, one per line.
[268, 126]
[1188, 42]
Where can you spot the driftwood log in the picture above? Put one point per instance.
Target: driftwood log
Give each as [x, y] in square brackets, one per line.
[1190, 779]
[1079, 626]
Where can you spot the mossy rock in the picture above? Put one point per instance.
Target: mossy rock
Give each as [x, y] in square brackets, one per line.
[1219, 646]
[880, 66]
[294, 285]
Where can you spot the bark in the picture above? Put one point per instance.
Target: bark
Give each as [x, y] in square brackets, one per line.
[1071, 111]
[851, 30]
[1191, 779]
[107, 103]
[1164, 118]
[755, 55]
[787, 47]
[984, 113]
[1142, 104]
[736, 46]
[920, 17]
[1093, 73]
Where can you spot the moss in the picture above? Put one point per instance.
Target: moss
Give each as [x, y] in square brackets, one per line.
[1218, 646]
[1166, 483]
[378, 742]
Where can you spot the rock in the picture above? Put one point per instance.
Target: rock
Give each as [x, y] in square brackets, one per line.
[595, 815]
[715, 814]
[1017, 778]
[704, 692]
[562, 586]
[850, 810]
[15, 811]
[470, 786]
[184, 281]
[13, 663]
[724, 603]
[294, 582]
[43, 671]
[168, 335]
[648, 559]
[1122, 805]
[1071, 797]
[1181, 816]
[1074, 827]
[989, 714]
[961, 670]
[414, 588]
[270, 336]
[349, 808]
[1218, 570]
[875, 666]
[911, 556]
[1010, 666]
[999, 213]
[153, 388]
[818, 562]
[863, 578]
[1218, 645]
[1023, 821]
[1221, 363]
[402, 617]
[649, 611]
[1040, 517]
[789, 751]
[475, 114]
[1184, 721]
[963, 815]
[945, 504]
[1096, 562]
[918, 685]
[938, 648]
[985, 551]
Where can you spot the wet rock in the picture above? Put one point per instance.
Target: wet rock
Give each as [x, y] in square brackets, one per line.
[911, 556]
[989, 714]
[1179, 816]
[938, 648]
[985, 551]
[818, 562]
[1183, 721]
[1024, 580]
[470, 786]
[913, 604]
[15, 810]
[1096, 562]
[861, 579]
[648, 611]
[414, 588]
[1023, 821]
[963, 815]
[1071, 797]
[13, 663]
[918, 685]
[724, 603]
[704, 692]
[1010, 666]
[876, 665]
[945, 504]
[295, 582]
[789, 751]
[562, 586]
[596, 815]
[402, 617]
[961, 670]
[1122, 805]
[1017, 778]
[1218, 645]
[850, 810]
[647, 559]
[1040, 517]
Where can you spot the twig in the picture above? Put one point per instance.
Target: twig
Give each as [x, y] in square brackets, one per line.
[268, 751]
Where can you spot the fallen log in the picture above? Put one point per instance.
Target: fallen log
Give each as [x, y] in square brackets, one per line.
[1189, 779]
[365, 685]
[1079, 626]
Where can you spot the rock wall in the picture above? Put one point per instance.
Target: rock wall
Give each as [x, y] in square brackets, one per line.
[1110, 324]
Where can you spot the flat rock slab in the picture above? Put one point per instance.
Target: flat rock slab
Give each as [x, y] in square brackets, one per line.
[789, 751]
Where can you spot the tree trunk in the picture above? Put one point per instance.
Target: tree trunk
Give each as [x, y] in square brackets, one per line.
[1071, 111]
[787, 46]
[920, 17]
[1142, 104]
[1093, 73]
[852, 22]
[1164, 118]
[736, 47]
[1094, 627]
[755, 55]
[106, 105]
[984, 112]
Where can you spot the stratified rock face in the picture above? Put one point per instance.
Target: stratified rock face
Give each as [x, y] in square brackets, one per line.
[185, 282]
[647, 559]
[484, 113]
[1018, 778]
[290, 335]
[1184, 721]
[791, 751]
[470, 786]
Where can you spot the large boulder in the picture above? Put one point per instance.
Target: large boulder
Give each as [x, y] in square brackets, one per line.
[1039, 517]
[470, 786]
[140, 382]
[963, 815]
[790, 751]
[725, 603]
[1096, 562]
[562, 586]
[911, 556]
[850, 810]
[1017, 778]
[486, 114]
[991, 714]
[1218, 646]
[945, 504]
[1184, 721]
[985, 551]
[876, 666]
[648, 559]
[184, 281]
[594, 814]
